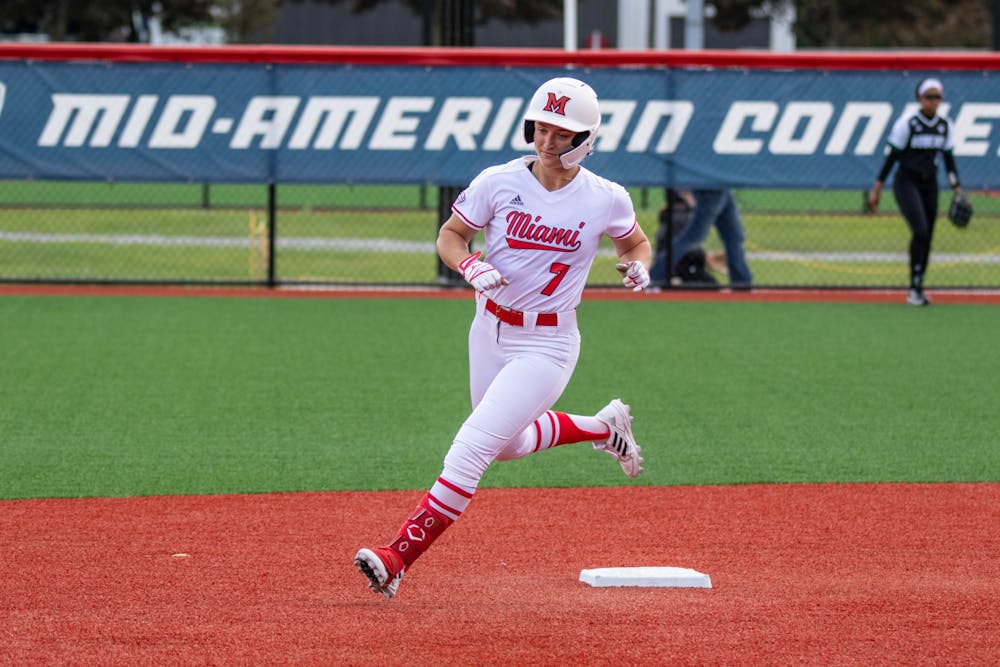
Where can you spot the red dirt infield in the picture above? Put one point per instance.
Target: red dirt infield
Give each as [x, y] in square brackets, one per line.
[833, 574]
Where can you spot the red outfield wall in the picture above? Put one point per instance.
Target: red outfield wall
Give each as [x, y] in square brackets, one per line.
[471, 56]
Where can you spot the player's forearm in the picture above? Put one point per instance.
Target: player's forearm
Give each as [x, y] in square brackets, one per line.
[640, 251]
[951, 169]
[887, 165]
[452, 247]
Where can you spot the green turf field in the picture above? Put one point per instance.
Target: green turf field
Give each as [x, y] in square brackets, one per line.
[117, 396]
[385, 235]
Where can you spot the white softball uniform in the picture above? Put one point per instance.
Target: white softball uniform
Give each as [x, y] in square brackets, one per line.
[524, 342]
[543, 242]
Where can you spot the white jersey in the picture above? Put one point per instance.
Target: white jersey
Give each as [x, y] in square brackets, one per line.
[542, 242]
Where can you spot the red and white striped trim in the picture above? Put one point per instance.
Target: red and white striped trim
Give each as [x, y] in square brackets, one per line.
[470, 223]
[553, 430]
[630, 230]
[449, 499]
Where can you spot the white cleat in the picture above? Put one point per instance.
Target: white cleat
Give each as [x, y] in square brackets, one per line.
[916, 297]
[379, 580]
[621, 444]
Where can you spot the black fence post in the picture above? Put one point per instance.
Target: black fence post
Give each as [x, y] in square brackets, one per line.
[446, 196]
[272, 223]
[669, 244]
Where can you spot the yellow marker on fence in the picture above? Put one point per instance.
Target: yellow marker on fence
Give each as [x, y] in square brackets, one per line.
[259, 246]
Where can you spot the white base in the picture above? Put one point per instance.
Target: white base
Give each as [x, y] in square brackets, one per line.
[668, 577]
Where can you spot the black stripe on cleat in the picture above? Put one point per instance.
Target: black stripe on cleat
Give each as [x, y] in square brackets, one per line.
[364, 569]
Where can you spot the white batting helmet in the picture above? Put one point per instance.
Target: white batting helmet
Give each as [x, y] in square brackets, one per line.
[570, 104]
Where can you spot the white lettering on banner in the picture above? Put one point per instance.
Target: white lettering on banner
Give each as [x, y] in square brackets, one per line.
[749, 127]
[508, 116]
[268, 118]
[616, 116]
[679, 113]
[786, 139]
[877, 115]
[84, 111]
[183, 121]
[801, 126]
[142, 111]
[334, 113]
[395, 129]
[3, 93]
[728, 141]
[461, 118]
[969, 131]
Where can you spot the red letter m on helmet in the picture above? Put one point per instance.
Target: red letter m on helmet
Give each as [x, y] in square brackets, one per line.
[556, 105]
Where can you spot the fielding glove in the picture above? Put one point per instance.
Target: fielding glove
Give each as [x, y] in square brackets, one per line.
[960, 211]
[479, 274]
[635, 276]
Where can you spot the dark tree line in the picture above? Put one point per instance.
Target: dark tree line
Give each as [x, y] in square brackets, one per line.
[127, 20]
[894, 23]
[819, 23]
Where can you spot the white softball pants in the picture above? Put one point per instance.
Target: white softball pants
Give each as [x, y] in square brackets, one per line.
[515, 375]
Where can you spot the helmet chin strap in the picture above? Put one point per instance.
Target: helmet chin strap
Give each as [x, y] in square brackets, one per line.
[574, 156]
[570, 157]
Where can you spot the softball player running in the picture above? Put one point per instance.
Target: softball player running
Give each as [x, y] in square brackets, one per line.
[916, 141]
[542, 217]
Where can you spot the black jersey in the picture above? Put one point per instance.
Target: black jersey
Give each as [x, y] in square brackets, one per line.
[918, 142]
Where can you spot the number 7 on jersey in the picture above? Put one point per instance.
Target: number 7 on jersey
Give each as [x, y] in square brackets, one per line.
[560, 270]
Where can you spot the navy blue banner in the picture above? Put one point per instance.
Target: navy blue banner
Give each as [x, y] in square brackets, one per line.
[368, 124]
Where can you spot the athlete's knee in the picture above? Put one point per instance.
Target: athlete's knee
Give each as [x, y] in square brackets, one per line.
[472, 451]
[921, 236]
[517, 447]
[465, 464]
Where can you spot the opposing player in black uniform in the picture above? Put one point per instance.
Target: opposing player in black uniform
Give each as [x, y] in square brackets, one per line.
[917, 141]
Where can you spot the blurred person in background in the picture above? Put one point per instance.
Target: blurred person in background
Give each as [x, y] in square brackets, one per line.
[696, 266]
[715, 207]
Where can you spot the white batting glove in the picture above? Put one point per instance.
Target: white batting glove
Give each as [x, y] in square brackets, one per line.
[479, 274]
[635, 276]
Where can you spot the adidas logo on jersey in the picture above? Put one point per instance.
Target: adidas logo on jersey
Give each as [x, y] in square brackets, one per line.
[516, 201]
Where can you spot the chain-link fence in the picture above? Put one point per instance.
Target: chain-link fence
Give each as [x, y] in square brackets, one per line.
[291, 166]
[338, 234]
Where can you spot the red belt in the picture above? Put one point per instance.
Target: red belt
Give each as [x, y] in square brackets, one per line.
[515, 318]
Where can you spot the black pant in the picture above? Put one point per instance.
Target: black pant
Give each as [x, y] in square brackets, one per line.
[917, 197]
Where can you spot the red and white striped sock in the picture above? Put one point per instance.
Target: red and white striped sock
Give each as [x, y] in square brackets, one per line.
[558, 428]
[438, 509]
[449, 498]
